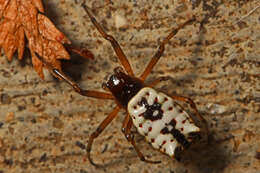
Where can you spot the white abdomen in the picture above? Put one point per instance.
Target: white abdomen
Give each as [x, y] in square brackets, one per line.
[163, 123]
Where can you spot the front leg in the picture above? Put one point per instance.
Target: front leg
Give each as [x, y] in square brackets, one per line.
[88, 93]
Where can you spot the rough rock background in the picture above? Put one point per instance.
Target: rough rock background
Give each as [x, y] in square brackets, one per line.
[215, 61]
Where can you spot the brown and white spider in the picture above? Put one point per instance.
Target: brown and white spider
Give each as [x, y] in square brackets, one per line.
[156, 116]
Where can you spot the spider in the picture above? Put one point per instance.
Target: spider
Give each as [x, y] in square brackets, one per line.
[156, 115]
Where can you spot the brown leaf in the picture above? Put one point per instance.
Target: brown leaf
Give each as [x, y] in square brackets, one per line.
[20, 19]
[8, 39]
[38, 5]
[20, 43]
[48, 30]
[37, 64]
[3, 4]
[11, 10]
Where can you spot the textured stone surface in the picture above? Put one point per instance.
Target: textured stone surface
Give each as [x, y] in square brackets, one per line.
[217, 65]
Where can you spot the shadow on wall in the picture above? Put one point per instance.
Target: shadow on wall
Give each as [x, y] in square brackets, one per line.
[211, 157]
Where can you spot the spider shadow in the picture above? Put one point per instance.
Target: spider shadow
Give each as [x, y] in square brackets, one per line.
[211, 157]
[204, 157]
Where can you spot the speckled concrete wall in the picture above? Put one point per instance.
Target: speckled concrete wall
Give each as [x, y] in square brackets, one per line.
[215, 61]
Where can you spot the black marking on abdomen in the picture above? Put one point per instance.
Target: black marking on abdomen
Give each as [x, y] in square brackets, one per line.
[177, 135]
[180, 138]
[149, 115]
[151, 110]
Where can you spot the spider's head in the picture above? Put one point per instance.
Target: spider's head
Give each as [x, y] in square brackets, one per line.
[123, 86]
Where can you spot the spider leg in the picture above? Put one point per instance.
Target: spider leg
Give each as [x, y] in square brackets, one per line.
[126, 129]
[99, 130]
[160, 50]
[193, 106]
[119, 52]
[89, 93]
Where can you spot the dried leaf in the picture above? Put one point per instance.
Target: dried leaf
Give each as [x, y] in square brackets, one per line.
[3, 4]
[49, 31]
[20, 19]
[38, 4]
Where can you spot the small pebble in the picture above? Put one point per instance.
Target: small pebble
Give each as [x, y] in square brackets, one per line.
[216, 108]
[9, 117]
[120, 21]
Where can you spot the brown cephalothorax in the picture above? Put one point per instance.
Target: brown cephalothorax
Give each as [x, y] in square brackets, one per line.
[156, 115]
[123, 87]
